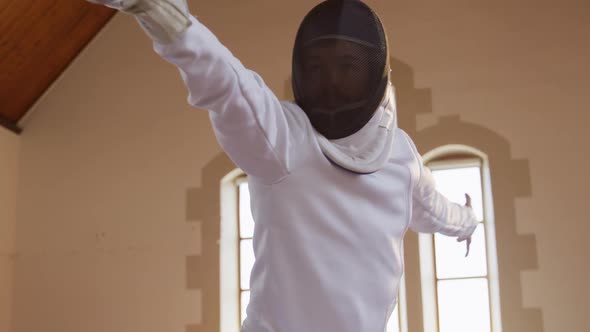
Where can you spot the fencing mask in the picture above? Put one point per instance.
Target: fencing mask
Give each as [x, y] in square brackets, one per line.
[341, 79]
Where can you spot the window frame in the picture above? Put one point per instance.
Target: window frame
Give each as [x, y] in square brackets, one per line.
[229, 267]
[453, 157]
[239, 181]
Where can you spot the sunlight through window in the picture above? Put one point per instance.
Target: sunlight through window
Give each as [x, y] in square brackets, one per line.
[246, 232]
[462, 288]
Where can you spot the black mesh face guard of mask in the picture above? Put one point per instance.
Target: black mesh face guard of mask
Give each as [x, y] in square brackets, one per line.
[340, 66]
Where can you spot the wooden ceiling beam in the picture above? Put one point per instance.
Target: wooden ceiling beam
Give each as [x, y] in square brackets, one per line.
[38, 40]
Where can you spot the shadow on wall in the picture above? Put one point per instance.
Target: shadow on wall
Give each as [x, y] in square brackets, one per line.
[510, 179]
[202, 271]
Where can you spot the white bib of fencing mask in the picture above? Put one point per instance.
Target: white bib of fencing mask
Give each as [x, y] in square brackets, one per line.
[369, 149]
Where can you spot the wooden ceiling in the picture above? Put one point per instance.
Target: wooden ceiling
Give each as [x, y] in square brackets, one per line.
[38, 40]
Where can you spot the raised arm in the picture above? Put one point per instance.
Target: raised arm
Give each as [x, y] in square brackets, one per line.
[247, 117]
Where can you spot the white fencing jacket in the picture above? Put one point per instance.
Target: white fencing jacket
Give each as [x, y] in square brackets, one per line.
[328, 242]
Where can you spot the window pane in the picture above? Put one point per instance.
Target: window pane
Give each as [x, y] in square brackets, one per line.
[454, 183]
[463, 305]
[246, 220]
[244, 305]
[450, 256]
[393, 323]
[246, 263]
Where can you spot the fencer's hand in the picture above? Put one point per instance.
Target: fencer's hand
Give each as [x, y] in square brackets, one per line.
[162, 20]
[467, 204]
[115, 4]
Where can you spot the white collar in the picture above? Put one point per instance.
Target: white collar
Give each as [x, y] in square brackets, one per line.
[367, 150]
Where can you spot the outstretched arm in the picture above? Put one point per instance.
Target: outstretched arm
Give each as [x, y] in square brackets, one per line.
[434, 213]
[247, 118]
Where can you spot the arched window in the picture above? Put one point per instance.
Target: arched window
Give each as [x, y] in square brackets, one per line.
[236, 250]
[232, 292]
[461, 294]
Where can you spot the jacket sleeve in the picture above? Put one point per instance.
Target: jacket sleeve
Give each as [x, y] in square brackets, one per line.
[248, 119]
[434, 213]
